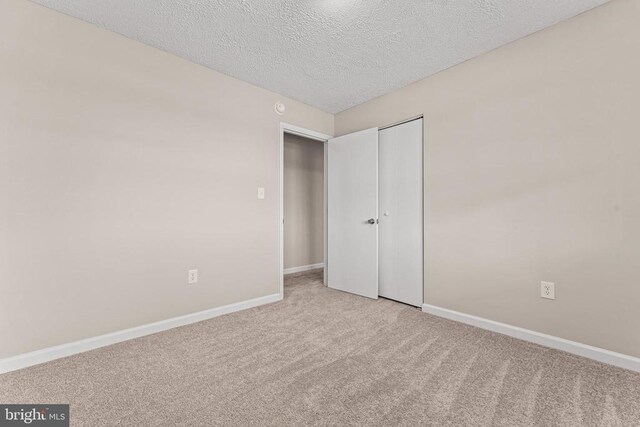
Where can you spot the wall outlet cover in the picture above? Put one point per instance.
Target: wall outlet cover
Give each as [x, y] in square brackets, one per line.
[548, 290]
[193, 277]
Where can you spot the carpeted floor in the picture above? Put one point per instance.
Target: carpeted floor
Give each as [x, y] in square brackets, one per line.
[330, 358]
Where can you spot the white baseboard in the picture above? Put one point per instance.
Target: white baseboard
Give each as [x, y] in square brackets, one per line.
[45, 355]
[303, 268]
[584, 350]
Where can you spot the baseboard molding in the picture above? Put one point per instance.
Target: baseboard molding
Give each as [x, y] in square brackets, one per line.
[45, 355]
[584, 350]
[303, 268]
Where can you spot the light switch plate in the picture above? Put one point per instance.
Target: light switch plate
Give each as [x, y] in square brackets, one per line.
[260, 193]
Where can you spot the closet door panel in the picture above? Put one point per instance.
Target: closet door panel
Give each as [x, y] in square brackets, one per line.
[400, 210]
[352, 209]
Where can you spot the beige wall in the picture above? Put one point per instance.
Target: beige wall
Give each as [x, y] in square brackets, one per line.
[532, 173]
[121, 167]
[303, 201]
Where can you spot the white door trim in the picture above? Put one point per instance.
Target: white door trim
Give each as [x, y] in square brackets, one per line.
[311, 134]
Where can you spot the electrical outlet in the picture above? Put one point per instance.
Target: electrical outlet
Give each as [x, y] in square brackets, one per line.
[548, 290]
[193, 277]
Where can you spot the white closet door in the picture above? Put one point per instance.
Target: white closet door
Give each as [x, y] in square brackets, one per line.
[352, 205]
[400, 231]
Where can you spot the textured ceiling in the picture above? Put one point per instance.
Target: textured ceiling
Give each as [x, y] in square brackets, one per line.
[332, 54]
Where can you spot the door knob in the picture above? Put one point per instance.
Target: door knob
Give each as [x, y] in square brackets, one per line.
[371, 221]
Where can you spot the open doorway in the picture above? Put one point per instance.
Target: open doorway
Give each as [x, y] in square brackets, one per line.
[303, 202]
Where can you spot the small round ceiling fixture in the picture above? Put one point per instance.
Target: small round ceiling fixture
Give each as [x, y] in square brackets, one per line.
[280, 108]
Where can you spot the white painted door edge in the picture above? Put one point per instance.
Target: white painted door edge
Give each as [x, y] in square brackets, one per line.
[595, 353]
[302, 268]
[297, 130]
[45, 355]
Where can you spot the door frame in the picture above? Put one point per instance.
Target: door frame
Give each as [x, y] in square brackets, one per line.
[317, 136]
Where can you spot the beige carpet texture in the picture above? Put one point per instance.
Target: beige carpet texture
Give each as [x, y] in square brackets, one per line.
[324, 357]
